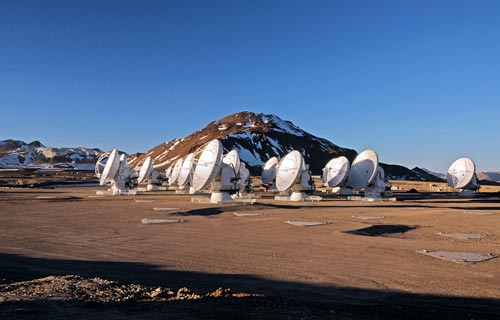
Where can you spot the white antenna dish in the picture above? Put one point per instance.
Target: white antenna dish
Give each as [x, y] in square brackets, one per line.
[335, 172]
[232, 158]
[176, 171]
[168, 172]
[101, 163]
[146, 169]
[269, 170]
[290, 169]
[208, 166]
[111, 168]
[363, 170]
[245, 183]
[115, 171]
[294, 174]
[462, 174]
[186, 170]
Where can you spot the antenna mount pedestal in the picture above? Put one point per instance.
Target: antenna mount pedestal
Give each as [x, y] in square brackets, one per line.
[221, 197]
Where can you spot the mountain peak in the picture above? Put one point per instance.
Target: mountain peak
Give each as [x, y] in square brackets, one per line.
[36, 144]
[256, 136]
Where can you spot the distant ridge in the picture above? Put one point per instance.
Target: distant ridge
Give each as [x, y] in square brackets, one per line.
[436, 174]
[489, 175]
[19, 154]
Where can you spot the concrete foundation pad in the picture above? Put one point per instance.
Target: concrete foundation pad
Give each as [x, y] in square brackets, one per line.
[160, 221]
[460, 257]
[165, 209]
[466, 236]
[307, 223]
[245, 214]
[479, 213]
[369, 217]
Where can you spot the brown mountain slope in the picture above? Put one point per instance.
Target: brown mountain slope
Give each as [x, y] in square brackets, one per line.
[257, 137]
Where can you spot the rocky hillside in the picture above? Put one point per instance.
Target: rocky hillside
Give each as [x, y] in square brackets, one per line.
[257, 137]
[19, 154]
[397, 172]
[489, 175]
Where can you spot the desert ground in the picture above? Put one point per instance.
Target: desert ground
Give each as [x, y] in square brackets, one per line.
[67, 253]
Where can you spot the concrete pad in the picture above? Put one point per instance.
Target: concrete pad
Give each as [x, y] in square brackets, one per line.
[480, 213]
[369, 217]
[165, 209]
[460, 257]
[307, 223]
[160, 221]
[244, 214]
[466, 236]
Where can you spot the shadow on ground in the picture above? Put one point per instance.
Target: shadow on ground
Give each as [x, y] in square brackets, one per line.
[382, 230]
[281, 300]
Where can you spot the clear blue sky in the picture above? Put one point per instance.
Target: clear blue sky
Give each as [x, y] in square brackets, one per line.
[418, 81]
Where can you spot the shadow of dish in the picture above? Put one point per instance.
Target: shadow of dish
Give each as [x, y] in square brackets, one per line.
[381, 230]
[279, 300]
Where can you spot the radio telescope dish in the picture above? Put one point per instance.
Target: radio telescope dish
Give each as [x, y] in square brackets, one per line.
[168, 172]
[146, 169]
[290, 168]
[111, 168]
[335, 172]
[363, 170]
[462, 174]
[208, 166]
[176, 171]
[101, 163]
[295, 175]
[115, 171]
[232, 158]
[186, 170]
[269, 170]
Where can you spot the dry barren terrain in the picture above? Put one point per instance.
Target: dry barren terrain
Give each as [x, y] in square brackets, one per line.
[68, 253]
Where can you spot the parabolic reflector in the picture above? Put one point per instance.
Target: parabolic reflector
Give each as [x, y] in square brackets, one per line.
[168, 172]
[363, 170]
[336, 171]
[146, 169]
[176, 171]
[269, 170]
[289, 171]
[186, 169]
[111, 168]
[232, 158]
[461, 173]
[208, 165]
